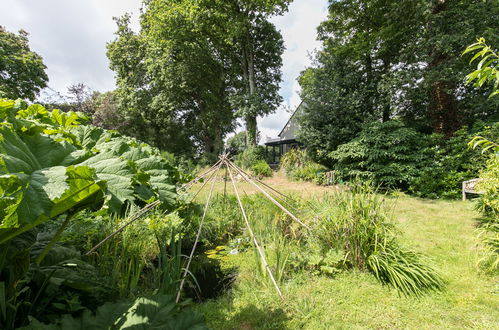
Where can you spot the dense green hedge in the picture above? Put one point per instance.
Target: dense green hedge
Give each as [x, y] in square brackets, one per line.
[399, 157]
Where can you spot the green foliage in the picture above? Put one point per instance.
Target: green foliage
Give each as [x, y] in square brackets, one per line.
[310, 172]
[261, 169]
[387, 153]
[395, 59]
[292, 159]
[487, 68]
[51, 164]
[356, 222]
[299, 167]
[154, 312]
[488, 204]
[449, 162]
[251, 156]
[62, 283]
[191, 92]
[405, 270]
[237, 143]
[22, 72]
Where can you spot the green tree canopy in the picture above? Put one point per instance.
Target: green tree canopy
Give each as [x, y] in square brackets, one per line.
[194, 66]
[22, 72]
[383, 59]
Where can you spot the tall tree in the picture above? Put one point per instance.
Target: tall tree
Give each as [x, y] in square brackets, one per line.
[450, 25]
[257, 48]
[196, 65]
[388, 58]
[22, 72]
[80, 94]
[171, 81]
[350, 82]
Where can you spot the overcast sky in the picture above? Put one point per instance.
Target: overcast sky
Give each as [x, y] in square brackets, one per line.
[71, 37]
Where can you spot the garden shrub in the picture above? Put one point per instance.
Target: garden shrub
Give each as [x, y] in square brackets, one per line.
[388, 153]
[395, 156]
[310, 172]
[298, 166]
[293, 159]
[250, 156]
[261, 169]
[488, 206]
[449, 162]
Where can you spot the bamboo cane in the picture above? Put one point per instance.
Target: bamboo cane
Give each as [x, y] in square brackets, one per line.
[267, 195]
[262, 255]
[186, 271]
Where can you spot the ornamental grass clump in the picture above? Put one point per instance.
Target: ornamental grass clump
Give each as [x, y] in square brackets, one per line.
[357, 223]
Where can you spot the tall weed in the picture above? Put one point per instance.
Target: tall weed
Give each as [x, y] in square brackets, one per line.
[357, 223]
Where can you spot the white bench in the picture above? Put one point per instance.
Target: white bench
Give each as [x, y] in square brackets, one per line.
[469, 187]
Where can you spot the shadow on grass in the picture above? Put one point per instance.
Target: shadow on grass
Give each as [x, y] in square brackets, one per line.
[252, 317]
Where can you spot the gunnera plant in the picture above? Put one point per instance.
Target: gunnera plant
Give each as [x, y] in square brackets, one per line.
[356, 222]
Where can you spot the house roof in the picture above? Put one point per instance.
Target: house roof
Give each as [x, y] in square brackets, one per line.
[290, 118]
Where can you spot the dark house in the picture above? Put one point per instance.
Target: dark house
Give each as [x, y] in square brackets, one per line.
[286, 139]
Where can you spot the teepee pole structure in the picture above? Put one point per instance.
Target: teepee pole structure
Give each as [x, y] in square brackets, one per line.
[231, 168]
[259, 249]
[194, 181]
[134, 218]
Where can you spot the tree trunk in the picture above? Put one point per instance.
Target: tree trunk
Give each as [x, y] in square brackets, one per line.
[251, 129]
[443, 111]
[250, 118]
[386, 96]
[369, 100]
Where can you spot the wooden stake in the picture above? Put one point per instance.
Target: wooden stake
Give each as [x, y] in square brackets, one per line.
[267, 195]
[262, 255]
[186, 271]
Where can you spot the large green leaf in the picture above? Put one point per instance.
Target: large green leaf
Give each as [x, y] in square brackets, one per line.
[156, 312]
[36, 184]
[50, 164]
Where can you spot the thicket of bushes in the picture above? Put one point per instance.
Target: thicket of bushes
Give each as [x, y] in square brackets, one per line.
[64, 187]
[488, 206]
[396, 156]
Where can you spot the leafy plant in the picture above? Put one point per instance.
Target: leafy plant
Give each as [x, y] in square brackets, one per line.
[449, 162]
[261, 169]
[250, 156]
[488, 204]
[299, 167]
[292, 159]
[51, 164]
[155, 312]
[356, 222]
[487, 70]
[388, 153]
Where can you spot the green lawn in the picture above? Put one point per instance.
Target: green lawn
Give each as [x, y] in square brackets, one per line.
[444, 230]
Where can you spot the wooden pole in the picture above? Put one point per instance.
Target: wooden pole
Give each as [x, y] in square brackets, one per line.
[260, 252]
[267, 195]
[190, 183]
[137, 216]
[268, 187]
[186, 271]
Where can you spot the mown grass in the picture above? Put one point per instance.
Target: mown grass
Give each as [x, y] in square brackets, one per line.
[443, 230]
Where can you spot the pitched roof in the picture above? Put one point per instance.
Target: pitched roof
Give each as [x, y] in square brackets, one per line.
[290, 118]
